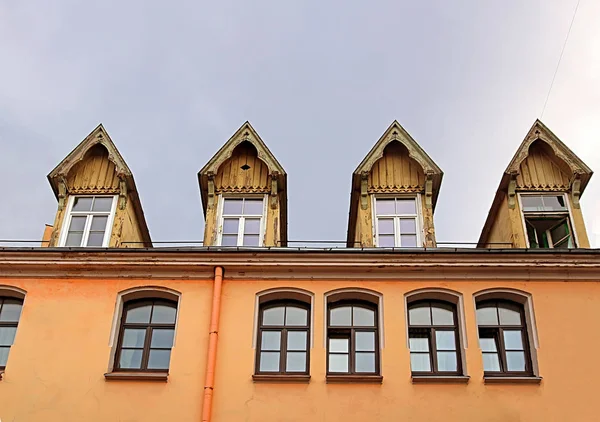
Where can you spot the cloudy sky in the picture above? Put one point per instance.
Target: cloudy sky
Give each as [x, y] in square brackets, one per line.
[319, 81]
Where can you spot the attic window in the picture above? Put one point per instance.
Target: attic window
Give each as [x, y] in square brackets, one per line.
[547, 221]
[397, 222]
[88, 221]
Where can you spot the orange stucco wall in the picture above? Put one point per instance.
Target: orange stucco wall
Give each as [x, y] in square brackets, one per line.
[61, 351]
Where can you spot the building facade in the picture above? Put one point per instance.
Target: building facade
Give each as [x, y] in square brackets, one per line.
[99, 325]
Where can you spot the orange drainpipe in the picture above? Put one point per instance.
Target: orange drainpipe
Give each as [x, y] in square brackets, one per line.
[213, 337]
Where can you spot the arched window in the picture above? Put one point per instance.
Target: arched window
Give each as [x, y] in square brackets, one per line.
[146, 335]
[10, 312]
[352, 338]
[283, 338]
[503, 338]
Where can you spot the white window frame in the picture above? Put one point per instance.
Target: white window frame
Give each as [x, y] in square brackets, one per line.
[568, 213]
[242, 219]
[397, 238]
[86, 229]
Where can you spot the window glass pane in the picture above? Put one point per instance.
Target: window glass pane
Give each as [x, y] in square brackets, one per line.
[229, 240]
[253, 207]
[95, 239]
[408, 226]
[532, 203]
[418, 344]
[273, 316]
[163, 314]
[420, 362]
[559, 232]
[7, 335]
[487, 316]
[230, 225]
[4, 355]
[365, 362]
[385, 226]
[130, 359]
[99, 223]
[74, 239]
[363, 317]
[491, 363]
[419, 315]
[408, 241]
[295, 362]
[271, 340]
[162, 338]
[11, 310]
[269, 362]
[251, 240]
[139, 314]
[447, 361]
[509, 315]
[340, 316]
[445, 340]
[296, 340]
[77, 223]
[386, 241]
[338, 363]
[232, 206]
[487, 344]
[252, 226]
[338, 344]
[296, 316]
[134, 337]
[554, 203]
[405, 206]
[442, 315]
[515, 361]
[513, 340]
[364, 341]
[102, 204]
[82, 203]
[159, 359]
[385, 207]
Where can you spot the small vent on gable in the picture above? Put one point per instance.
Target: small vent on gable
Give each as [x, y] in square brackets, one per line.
[245, 167]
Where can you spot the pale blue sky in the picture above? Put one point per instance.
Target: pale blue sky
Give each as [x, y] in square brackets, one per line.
[319, 81]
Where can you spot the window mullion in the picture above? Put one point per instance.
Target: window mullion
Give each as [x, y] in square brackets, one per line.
[146, 351]
[433, 350]
[397, 231]
[86, 230]
[352, 352]
[242, 222]
[283, 351]
[502, 349]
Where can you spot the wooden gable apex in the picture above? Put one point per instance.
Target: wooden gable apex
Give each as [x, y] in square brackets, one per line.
[245, 133]
[127, 189]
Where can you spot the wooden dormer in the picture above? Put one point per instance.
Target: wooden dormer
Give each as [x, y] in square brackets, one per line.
[537, 202]
[244, 194]
[394, 193]
[98, 203]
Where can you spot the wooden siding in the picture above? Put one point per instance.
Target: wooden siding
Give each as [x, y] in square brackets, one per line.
[232, 178]
[540, 170]
[396, 172]
[94, 174]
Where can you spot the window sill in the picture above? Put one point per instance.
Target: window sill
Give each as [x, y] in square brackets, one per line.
[136, 376]
[281, 378]
[374, 379]
[512, 380]
[440, 379]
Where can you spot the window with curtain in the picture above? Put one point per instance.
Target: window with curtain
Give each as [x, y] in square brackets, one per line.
[352, 339]
[503, 338]
[10, 312]
[434, 338]
[283, 338]
[146, 335]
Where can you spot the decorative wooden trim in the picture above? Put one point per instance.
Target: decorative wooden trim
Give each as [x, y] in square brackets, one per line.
[136, 376]
[512, 380]
[512, 194]
[343, 379]
[364, 183]
[278, 378]
[428, 189]
[122, 193]
[440, 379]
[576, 190]
[211, 189]
[62, 192]
[274, 190]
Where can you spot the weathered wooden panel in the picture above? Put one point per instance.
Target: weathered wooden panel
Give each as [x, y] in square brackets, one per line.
[243, 172]
[94, 174]
[396, 172]
[540, 170]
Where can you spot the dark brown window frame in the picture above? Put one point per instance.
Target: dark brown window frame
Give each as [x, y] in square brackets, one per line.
[430, 331]
[497, 333]
[283, 329]
[149, 327]
[14, 324]
[349, 332]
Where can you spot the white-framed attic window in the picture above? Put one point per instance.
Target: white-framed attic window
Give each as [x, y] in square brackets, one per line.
[242, 220]
[397, 221]
[547, 220]
[88, 221]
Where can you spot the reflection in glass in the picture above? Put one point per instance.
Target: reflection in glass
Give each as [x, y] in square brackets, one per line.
[269, 362]
[338, 363]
